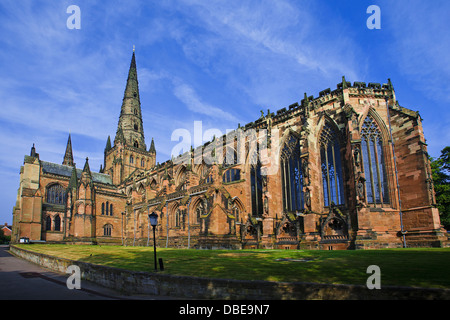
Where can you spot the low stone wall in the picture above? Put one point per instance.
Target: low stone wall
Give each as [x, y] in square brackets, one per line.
[132, 282]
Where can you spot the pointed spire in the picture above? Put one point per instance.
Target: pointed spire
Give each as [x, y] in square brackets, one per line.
[68, 156]
[152, 147]
[108, 144]
[130, 120]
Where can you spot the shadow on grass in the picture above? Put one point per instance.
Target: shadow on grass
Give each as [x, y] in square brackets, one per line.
[400, 267]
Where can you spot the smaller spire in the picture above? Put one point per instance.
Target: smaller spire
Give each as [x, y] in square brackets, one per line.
[152, 147]
[68, 156]
[86, 168]
[108, 144]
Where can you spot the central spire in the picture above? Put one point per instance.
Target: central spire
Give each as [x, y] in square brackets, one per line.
[130, 129]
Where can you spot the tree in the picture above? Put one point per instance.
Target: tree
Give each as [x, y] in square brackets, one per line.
[3, 238]
[440, 168]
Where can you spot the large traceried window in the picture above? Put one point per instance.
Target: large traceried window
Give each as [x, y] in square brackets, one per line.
[256, 189]
[56, 194]
[332, 180]
[373, 162]
[291, 175]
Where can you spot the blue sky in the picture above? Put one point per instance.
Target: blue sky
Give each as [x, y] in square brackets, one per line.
[219, 62]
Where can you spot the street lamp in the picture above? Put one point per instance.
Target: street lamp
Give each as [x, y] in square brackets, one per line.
[123, 214]
[153, 217]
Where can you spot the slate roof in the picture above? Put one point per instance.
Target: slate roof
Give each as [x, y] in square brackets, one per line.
[66, 171]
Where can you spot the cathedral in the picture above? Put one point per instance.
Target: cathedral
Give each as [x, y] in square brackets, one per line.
[347, 169]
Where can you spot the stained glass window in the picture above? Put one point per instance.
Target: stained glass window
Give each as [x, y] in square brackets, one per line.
[332, 179]
[56, 194]
[373, 162]
[232, 175]
[256, 189]
[291, 175]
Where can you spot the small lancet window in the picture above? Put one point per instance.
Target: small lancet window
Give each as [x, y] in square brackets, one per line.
[57, 223]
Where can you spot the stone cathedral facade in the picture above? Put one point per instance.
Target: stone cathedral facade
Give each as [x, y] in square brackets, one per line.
[347, 169]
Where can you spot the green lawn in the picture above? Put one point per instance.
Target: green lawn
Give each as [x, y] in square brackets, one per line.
[424, 267]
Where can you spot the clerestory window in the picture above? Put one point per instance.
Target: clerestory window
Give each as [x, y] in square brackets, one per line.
[231, 175]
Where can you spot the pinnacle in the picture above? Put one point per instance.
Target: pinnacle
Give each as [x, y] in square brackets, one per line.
[68, 156]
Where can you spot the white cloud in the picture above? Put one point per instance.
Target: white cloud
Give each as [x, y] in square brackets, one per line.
[273, 51]
[190, 98]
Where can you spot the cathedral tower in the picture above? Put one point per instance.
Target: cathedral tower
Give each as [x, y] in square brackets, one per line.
[129, 153]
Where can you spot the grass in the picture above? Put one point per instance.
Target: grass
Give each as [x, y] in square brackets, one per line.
[421, 267]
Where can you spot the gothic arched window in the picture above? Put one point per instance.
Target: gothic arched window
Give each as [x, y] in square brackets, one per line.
[373, 162]
[48, 223]
[57, 223]
[256, 189]
[202, 209]
[330, 154]
[231, 175]
[209, 179]
[230, 157]
[56, 194]
[177, 218]
[236, 213]
[291, 175]
[107, 228]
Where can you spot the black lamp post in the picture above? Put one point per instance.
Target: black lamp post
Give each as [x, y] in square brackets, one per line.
[153, 217]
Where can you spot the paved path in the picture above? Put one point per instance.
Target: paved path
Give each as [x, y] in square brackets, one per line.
[22, 280]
